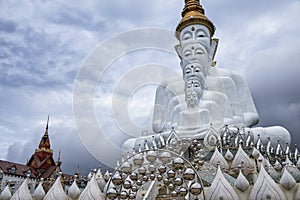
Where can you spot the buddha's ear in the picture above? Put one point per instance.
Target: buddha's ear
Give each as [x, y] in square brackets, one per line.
[178, 50]
[213, 50]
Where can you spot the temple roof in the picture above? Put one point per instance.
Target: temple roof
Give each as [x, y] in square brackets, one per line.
[43, 155]
[17, 169]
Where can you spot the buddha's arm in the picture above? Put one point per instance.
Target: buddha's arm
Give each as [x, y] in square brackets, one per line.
[164, 94]
[177, 114]
[174, 107]
[231, 92]
[247, 105]
[159, 109]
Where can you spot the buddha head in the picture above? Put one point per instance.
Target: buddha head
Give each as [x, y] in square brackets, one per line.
[196, 85]
[195, 33]
[194, 70]
[191, 98]
[195, 55]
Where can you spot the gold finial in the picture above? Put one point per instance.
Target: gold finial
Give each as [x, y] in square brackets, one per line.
[193, 13]
[46, 132]
[45, 141]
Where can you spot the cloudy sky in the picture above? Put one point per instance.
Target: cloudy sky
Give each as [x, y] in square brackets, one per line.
[45, 44]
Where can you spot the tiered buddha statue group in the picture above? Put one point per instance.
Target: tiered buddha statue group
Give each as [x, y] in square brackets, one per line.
[206, 95]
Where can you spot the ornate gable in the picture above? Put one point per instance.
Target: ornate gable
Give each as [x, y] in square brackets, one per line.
[42, 159]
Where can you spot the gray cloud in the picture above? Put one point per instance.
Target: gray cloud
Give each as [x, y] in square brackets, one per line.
[7, 26]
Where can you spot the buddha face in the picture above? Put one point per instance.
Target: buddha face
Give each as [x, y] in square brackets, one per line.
[191, 98]
[195, 53]
[194, 85]
[195, 33]
[194, 70]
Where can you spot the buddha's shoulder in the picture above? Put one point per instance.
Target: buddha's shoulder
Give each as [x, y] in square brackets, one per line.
[171, 81]
[225, 73]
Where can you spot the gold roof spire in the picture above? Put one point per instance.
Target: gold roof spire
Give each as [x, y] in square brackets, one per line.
[193, 13]
[45, 141]
[46, 132]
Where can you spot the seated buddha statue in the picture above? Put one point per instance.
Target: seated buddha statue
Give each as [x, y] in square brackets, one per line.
[229, 90]
[225, 97]
[192, 117]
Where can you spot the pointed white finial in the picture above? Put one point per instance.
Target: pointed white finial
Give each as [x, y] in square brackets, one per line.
[278, 151]
[241, 182]
[218, 159]
[5, 194]
[146, 145]
[296, 153]
[56, 191]
[92, 191]
[162, 140]
[277, 165]
[100, 179]
[154, 143]
[74, 190]
[39, 192]
[228, 155]
[287, 180]
[269, 147]
[243, 161]
[265, 187]
[221, 189]
[23, 192]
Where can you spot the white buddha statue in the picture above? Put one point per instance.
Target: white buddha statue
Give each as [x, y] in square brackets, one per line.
[196, 60]
[227, 89]
[225, 97]
[198, 111]
[193, 118]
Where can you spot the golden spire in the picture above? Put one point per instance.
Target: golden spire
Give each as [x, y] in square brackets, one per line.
[45, 141]
[46, 132]
[193, 13]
